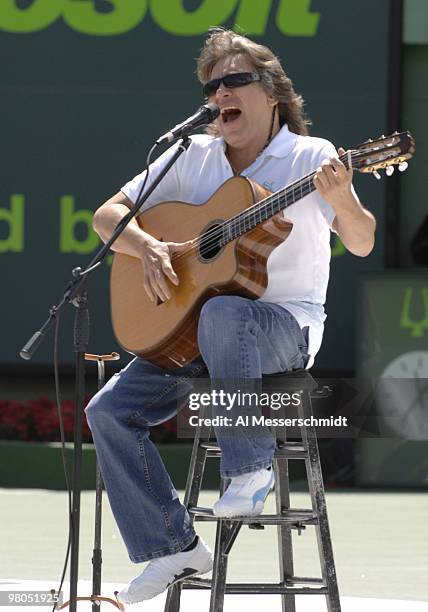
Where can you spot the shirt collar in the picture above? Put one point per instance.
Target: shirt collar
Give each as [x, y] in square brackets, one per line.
[280, 146]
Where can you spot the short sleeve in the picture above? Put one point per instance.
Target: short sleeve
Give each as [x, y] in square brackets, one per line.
[168, 188]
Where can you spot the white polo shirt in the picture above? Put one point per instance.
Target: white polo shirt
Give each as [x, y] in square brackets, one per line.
[298, 269]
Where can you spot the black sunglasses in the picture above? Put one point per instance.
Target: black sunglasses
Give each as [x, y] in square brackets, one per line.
[236, 79]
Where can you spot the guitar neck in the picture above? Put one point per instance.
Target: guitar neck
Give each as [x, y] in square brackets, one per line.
[270, 206]
[267, 208]
[370, 156]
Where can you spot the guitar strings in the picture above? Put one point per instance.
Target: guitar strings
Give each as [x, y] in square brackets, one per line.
[288, 194]
[213, 237]
[243, 223]
[302, 187]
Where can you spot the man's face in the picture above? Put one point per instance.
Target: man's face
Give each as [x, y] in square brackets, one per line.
[245, 112]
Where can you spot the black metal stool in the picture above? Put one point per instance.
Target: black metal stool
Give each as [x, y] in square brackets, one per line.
[286, 518]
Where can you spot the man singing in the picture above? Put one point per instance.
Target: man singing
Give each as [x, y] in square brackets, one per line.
[261, 133]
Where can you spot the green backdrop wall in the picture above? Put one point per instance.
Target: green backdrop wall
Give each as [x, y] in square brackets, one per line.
[88, 85]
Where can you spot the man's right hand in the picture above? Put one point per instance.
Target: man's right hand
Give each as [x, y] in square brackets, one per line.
[157, 267]
[134, 241]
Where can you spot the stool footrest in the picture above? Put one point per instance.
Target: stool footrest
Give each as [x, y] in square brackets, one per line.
[289, 450]
[308, 587]
[297, 452]
[307, 517]
[209, 445]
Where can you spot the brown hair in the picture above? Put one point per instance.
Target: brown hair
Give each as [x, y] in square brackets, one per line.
[222, 43]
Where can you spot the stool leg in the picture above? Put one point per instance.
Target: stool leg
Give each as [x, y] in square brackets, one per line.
[316, 489]
[218, 585]
[191, 496]
[285, 542]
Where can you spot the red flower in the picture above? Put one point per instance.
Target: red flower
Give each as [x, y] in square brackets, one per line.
[37, 421]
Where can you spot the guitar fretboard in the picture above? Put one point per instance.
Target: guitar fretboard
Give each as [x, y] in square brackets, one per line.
[267, 208]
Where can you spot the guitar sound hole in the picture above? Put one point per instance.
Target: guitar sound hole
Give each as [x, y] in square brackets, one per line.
[210, 243]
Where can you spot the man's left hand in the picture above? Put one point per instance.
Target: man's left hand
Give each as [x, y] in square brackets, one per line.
[353, 223]
[334, 181]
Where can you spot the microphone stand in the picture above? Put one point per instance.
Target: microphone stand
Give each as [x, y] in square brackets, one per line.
[76, 293]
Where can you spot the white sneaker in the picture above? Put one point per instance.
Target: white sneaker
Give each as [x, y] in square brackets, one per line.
[161, 573]
[246, 494]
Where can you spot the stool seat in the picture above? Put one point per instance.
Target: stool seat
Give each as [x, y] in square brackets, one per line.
[293, 379]
[286, 518]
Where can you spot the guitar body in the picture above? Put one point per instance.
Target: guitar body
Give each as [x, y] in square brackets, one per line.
[228, 256]
[166, 333]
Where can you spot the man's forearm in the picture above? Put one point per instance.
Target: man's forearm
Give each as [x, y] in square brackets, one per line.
[355, 226]
[132, 238]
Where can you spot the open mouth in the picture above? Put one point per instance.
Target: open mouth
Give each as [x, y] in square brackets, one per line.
[230, 113]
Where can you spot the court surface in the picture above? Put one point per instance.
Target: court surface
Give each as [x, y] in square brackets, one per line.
[380, 542]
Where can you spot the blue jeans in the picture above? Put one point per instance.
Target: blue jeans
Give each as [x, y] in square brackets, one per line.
[238, 339]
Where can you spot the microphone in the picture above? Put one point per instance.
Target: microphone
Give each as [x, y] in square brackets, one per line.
[203, 116]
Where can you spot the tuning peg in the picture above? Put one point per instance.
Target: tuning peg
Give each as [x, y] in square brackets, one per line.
[390, 171]
[376, 175]
[403, 166]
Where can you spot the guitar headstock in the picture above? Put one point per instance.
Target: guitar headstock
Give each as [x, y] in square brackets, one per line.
[382, 154]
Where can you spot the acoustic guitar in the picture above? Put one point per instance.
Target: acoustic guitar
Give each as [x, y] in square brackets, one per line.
[232, 236]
